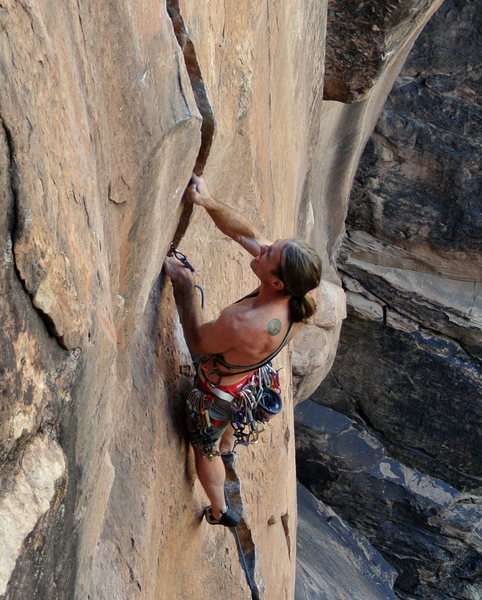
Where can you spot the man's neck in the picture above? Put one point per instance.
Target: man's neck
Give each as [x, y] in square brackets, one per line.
[267, 294]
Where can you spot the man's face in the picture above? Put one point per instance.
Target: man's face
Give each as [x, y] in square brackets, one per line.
[268, 261]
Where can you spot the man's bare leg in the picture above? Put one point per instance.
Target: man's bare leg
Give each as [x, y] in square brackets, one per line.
[212, 475]
[227, 441]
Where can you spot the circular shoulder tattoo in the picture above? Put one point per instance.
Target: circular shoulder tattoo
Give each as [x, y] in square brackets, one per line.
[274, 326]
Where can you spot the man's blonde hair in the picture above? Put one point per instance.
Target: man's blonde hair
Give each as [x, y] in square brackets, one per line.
[300, 272]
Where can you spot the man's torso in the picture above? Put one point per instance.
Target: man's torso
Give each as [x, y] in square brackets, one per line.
[259, 329]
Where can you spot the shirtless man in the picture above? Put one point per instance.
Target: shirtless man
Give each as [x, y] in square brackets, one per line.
[245, 333]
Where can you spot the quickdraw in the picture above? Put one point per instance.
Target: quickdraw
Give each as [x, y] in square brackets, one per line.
[246, 420]
[182, 258]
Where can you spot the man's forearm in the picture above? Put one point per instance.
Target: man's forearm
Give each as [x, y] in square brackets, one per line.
[227, 220]
[230, 222]
[189, 312]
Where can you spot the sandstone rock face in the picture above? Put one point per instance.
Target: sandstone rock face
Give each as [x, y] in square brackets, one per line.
[106, 108]
[315, 346]
[32, 490]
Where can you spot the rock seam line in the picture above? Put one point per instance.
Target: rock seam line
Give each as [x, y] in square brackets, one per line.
[423, 327]
[201, 97]
[242, 533]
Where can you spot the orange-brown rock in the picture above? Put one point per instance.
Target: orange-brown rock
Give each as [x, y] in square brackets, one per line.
[105, 110]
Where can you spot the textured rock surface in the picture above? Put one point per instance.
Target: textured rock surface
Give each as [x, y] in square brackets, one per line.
[428, 531]
[348, 120]
[408, 368]
[101, 128]
[407, 395]
[31, 492]
[314, 350]
[328, 547]
[361, 39]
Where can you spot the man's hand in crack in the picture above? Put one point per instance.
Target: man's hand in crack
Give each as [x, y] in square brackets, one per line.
[226, 219]
[198, 193]
[178, 273]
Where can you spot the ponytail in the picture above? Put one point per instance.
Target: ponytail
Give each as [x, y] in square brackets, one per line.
[300, 272]
[302, 308]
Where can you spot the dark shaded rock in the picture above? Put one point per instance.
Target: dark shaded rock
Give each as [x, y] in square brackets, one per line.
[326, 547]
[419, 181]
[397, 382]
[427, 530]
[410, 356]
[430, 188]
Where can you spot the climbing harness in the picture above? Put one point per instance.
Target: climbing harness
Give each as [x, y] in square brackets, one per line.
[219, 360]
[246, 409]
[182, 258]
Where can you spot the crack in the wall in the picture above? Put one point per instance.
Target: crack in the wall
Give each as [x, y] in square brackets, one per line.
[202, 102]
[244, 539]
[359, 416]
[286, 529]
[242, 534]
[15, 227]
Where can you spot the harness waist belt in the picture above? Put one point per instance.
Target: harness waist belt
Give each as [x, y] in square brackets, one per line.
[222, 395]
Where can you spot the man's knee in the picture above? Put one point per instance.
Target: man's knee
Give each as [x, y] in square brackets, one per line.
[227, 440]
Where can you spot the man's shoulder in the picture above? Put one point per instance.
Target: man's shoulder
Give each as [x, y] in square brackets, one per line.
[232, 317]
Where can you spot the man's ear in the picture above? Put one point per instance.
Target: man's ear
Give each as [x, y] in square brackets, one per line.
[278, 284]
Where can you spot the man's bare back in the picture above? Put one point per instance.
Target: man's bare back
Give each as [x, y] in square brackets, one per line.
[248, 331]
[257, 330]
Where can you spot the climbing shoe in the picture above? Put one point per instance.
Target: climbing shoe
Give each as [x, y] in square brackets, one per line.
[228, 518]
[228, 459]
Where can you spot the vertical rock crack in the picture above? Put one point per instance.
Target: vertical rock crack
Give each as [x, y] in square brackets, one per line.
[244, 539]
[202, 102]
[242, 534]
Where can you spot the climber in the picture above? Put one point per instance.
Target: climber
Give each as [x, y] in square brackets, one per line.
[240, 340]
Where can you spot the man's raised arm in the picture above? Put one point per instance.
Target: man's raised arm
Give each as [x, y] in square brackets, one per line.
[202, 338]
[226, 218]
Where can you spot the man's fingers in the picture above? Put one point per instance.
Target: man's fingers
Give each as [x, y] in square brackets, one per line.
[175, 269]
[197, 191]
[192, 192]
[195, 181]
